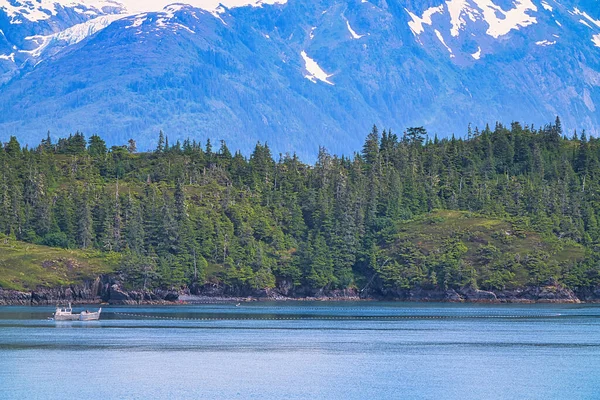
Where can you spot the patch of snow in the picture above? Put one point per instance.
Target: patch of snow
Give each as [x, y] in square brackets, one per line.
[500, 22]
[576, 11]
[161, 22]
[352, 32]
[545, 43]
[171, 9]
[167, 14]
[312, 32]
[456, 9]
[267, 36]
[185, 28]
[595, 38]
[441, 38]
[315, 72]
[41, 42]
[72, 35]
[138, 21]
[558, 23]
[10, 57]
[416, 25]
[477, 54]
[547, 6]
[217, 14]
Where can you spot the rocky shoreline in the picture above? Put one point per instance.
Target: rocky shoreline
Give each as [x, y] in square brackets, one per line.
[103, 290]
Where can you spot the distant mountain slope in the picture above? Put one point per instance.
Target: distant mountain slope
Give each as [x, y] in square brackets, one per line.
[299, 74]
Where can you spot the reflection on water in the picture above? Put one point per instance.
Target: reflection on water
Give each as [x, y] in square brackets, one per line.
[304, 351]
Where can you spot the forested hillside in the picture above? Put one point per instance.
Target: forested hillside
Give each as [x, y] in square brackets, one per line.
[501, 208]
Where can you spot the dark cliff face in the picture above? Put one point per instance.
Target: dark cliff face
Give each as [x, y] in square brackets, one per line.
[107, 290]
[88, 292]
[103, 289]
[552, 292]
[242, 77]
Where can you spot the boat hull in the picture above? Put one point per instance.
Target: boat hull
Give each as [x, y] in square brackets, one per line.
[66, 317]
[87, 316]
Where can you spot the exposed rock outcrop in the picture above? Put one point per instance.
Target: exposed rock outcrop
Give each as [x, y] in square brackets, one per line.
[475, 295]
[551, 292]
[13, 297]
[100, 290]
[588, 294]
[105, 289]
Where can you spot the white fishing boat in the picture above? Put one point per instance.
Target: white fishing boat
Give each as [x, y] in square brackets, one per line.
[66, 314]
[90, 316]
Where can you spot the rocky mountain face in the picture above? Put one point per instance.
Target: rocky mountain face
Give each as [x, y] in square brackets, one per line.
[297, 74]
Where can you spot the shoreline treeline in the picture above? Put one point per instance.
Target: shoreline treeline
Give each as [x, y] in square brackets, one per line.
[188, 213]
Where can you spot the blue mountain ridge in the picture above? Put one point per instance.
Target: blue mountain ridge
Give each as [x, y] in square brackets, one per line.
[240, 75]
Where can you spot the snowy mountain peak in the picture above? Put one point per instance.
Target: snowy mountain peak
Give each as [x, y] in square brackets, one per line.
[302, 71]
[20, 11]
[36, 29]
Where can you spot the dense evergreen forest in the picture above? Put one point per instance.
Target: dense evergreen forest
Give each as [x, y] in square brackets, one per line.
[500, 208]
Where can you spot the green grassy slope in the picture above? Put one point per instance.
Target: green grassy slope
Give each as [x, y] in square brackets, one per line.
[25, 266]
[461, 248]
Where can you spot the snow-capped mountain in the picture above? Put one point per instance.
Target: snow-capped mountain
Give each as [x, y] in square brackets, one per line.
[299, 73]
[36, 29]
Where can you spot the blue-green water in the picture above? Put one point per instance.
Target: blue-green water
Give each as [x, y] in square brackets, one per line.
[304, 351]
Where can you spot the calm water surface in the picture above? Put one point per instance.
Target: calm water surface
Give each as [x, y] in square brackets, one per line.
[304, 351]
